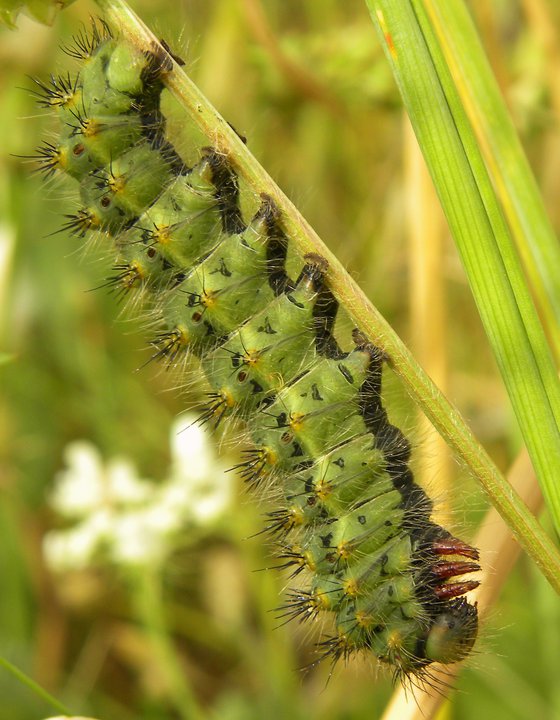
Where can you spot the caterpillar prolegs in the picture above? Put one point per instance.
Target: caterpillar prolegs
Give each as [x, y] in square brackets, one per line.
[351, 524]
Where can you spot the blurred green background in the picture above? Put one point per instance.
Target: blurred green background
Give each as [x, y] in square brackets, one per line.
[307, 84]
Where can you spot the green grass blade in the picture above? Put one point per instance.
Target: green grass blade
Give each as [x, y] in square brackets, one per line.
[479, 229]
[33, 686]
[505, 159]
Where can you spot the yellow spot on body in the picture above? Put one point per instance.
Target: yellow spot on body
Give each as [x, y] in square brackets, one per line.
[132, 275]
[296, 421]
[178, 339]
[227, 397]
[270, 456]
[116, 184]
[344, 549]
[363, 619]
[395, 641]
[252, 357]
[182, 335]
[67, 100]
[90, 128]
[321, 600]
[309, 561]
[62, 158]
[70, 100]
[137, 269]
[323, 489]
[162, 235]
[208, 299]
[88, 220]
[351, 587]
[297, 516]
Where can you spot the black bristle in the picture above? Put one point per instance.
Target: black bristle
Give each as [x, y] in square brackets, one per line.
[86, 41]
[57, 92]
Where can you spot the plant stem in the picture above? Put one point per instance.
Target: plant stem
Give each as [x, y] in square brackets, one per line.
[149, 600]
[33, 686]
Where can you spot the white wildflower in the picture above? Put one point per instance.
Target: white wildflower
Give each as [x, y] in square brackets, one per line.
[176, 496]
[124, 486]
[71, 549]
[79, 488]
[130, 521]
[212, 505]
[134, 543]
[193, 458]
[206, 486]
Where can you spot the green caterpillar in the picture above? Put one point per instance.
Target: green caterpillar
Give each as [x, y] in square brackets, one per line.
[351, 523]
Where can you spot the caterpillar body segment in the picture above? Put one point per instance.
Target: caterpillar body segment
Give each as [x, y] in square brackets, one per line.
[350, 523]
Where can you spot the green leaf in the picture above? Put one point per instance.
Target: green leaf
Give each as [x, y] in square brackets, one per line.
[44, 11]
[478, 226]
[506, 161]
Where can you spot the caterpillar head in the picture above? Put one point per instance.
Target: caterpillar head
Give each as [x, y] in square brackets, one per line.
[446, 637]
[452, 634]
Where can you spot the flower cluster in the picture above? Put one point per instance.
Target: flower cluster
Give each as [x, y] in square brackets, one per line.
[118, 517]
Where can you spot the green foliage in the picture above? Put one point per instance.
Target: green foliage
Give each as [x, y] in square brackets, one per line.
[43, 11]
[89, 637]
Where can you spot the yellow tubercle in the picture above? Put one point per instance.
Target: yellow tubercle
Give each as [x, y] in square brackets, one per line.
[395, 642]
[227, 397]
[251, 357]
[296, 421]
[182, 335]
[116, 184]
[270, 456]
[344, 549]
[90, 127]
[137, 269]
[351, 587]
[323, 489]
[297, 516]
[162, 235]
[322, 600]
[364, 620]
[208, 299]
[309, 561]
